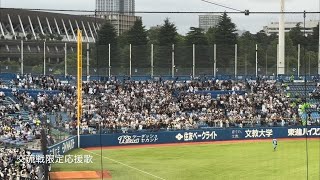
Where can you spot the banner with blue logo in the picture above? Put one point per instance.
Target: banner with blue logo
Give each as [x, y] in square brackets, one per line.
[197, 136]
[60, 148]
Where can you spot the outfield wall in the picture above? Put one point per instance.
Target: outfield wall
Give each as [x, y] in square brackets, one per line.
[62, 147]
[196, 136]
[205, 135]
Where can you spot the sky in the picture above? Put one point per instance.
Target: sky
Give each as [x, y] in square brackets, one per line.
[252, 23]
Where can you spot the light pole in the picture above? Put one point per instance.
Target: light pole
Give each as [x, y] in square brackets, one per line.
[281, 58]
[267, 61]
[97, 46]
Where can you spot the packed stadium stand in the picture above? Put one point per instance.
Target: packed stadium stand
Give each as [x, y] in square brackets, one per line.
[30, 103]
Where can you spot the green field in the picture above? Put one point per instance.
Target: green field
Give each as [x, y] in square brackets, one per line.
[240, 161]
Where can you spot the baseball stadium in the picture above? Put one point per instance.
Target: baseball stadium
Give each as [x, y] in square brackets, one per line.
[102, 96]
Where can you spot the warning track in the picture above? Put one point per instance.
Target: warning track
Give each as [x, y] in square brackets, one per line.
[198, 143]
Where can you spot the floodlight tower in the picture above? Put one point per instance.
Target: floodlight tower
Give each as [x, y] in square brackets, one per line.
[281, 53]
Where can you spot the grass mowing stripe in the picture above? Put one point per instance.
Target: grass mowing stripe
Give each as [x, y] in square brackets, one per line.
[243, 161]
[125, 165]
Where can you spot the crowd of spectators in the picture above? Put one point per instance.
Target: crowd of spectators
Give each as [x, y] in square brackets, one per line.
[16, 134]
[16, 129]
[9, 125]
[37, 82]
[126, 106]
[316, 92]
[13, 128]
[15, 166]
[177, 105]
[169, 105]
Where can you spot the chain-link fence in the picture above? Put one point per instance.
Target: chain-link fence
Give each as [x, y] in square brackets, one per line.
[243, 59]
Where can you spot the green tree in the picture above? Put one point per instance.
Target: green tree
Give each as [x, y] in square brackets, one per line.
[313, 40]
[296, 35]
[72, 61]
[181, 40]
[246, 53]
[153, 35]
[106, 35]
[291, 59]
[123, 39]
[166, 37]
[309, 62]
[267, 52]
[183, 56]
[196, 36]
[122, 64]
[210, 34]
[225, 38]
[168, 33]
[267, 57]
[225, 32]
[137, 35]
[263, 39]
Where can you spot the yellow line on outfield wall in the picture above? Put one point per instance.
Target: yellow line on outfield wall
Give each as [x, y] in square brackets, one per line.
[79, 82]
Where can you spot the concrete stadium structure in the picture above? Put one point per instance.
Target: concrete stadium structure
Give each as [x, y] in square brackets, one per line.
[273, 27]
[43, 36]
[37, 25]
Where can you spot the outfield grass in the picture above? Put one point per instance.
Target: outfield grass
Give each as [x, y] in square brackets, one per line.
[241, 161]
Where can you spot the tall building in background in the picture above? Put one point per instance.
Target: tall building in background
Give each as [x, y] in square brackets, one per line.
[273, 27]
[207, 21]
[120, 13]
[121, 23]
[123, 7]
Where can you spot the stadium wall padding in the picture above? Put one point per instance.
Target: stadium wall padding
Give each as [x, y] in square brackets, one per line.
[204, 135]
[62, 147]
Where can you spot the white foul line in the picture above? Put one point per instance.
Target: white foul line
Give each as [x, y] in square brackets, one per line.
[125, 165]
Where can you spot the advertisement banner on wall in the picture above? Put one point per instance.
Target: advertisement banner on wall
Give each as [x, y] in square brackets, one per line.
[197, 136]
[63, 147]
[137, 139]
[97, 140]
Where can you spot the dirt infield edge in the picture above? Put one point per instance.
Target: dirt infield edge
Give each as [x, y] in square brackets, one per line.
[194, 143]
[80, 175]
